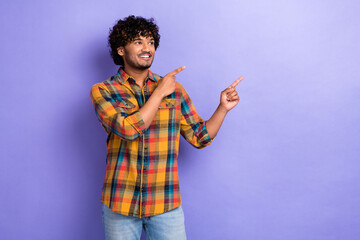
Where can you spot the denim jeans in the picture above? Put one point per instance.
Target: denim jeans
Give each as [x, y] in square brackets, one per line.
[169, 225]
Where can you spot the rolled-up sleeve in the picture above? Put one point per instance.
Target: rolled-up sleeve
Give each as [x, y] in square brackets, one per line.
[192, 127]
[114, 116]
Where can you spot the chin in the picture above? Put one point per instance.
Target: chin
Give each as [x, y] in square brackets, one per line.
[143, 67]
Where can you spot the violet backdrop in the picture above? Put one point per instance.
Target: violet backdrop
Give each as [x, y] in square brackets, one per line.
[285, 165]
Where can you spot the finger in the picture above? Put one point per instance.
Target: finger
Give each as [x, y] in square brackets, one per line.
[235, 98]
[228, 90]
[233, 94]
[176, 71]
[237, 81]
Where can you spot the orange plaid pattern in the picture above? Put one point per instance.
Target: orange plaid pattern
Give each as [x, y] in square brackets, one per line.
[141, 176]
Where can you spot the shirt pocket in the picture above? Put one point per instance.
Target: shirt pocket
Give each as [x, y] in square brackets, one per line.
[167, 115]
[127, 105]
[167, 103]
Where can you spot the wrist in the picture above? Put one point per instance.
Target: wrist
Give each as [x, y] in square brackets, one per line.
[222, 109]
[157, 94]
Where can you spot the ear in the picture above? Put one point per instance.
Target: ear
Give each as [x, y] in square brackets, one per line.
[120, 51]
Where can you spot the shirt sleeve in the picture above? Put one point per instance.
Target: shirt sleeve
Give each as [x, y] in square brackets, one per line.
[114, 115]
[192, 126]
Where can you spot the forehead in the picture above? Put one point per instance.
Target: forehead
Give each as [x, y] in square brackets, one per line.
[142, 37]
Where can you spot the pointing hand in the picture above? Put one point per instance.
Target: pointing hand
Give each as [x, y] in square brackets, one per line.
[229, 98]
[167, 84]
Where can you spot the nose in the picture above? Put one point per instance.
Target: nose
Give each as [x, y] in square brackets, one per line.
[145, 47]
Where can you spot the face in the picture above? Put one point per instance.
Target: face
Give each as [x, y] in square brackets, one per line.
[139, 54]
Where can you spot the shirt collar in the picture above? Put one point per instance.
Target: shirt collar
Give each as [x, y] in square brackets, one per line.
[122, 76]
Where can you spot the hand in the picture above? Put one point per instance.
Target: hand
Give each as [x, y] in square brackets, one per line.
[229, 98]
[167, 84]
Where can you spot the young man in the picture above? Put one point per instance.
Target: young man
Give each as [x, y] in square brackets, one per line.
[144, 115]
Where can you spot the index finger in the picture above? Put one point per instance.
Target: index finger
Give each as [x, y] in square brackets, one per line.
[237, 81]
[176, 71]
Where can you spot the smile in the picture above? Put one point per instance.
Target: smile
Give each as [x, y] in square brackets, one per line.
[145, 56]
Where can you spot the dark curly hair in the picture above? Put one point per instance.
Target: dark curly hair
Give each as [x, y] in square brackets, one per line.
[126, 30]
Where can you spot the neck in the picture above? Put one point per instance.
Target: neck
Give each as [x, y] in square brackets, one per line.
[138, 74]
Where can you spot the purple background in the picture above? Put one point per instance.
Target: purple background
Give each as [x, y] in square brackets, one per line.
[285, 164]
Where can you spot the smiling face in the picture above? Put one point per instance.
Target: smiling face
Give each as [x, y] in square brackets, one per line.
[138, 54]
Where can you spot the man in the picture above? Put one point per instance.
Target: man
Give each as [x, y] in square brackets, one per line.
[144, 115]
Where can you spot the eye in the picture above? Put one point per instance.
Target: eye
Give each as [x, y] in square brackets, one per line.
[137, 42]
[151, 43]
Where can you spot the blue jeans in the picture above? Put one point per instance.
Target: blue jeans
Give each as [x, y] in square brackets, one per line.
[169, 225]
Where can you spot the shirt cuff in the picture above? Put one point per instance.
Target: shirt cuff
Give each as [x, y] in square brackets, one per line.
[136, 121]
[204, 137]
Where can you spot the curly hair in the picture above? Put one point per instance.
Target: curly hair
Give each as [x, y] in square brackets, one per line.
[126, 30]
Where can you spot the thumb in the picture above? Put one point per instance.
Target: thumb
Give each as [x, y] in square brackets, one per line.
[228, 90]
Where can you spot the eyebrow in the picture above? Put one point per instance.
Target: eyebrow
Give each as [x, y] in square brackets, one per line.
[139, 39]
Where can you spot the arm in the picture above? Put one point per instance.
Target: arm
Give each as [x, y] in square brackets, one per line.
[114, 116]
[192, 126]
[165, 87]
[228, 100]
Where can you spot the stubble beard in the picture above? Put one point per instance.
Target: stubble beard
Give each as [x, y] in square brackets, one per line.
[137, 65]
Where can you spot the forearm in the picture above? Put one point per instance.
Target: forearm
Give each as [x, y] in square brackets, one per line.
[214, 123]
[148, 111]
[166, 86]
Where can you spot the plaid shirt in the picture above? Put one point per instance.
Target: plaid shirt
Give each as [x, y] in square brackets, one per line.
[141, 176]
